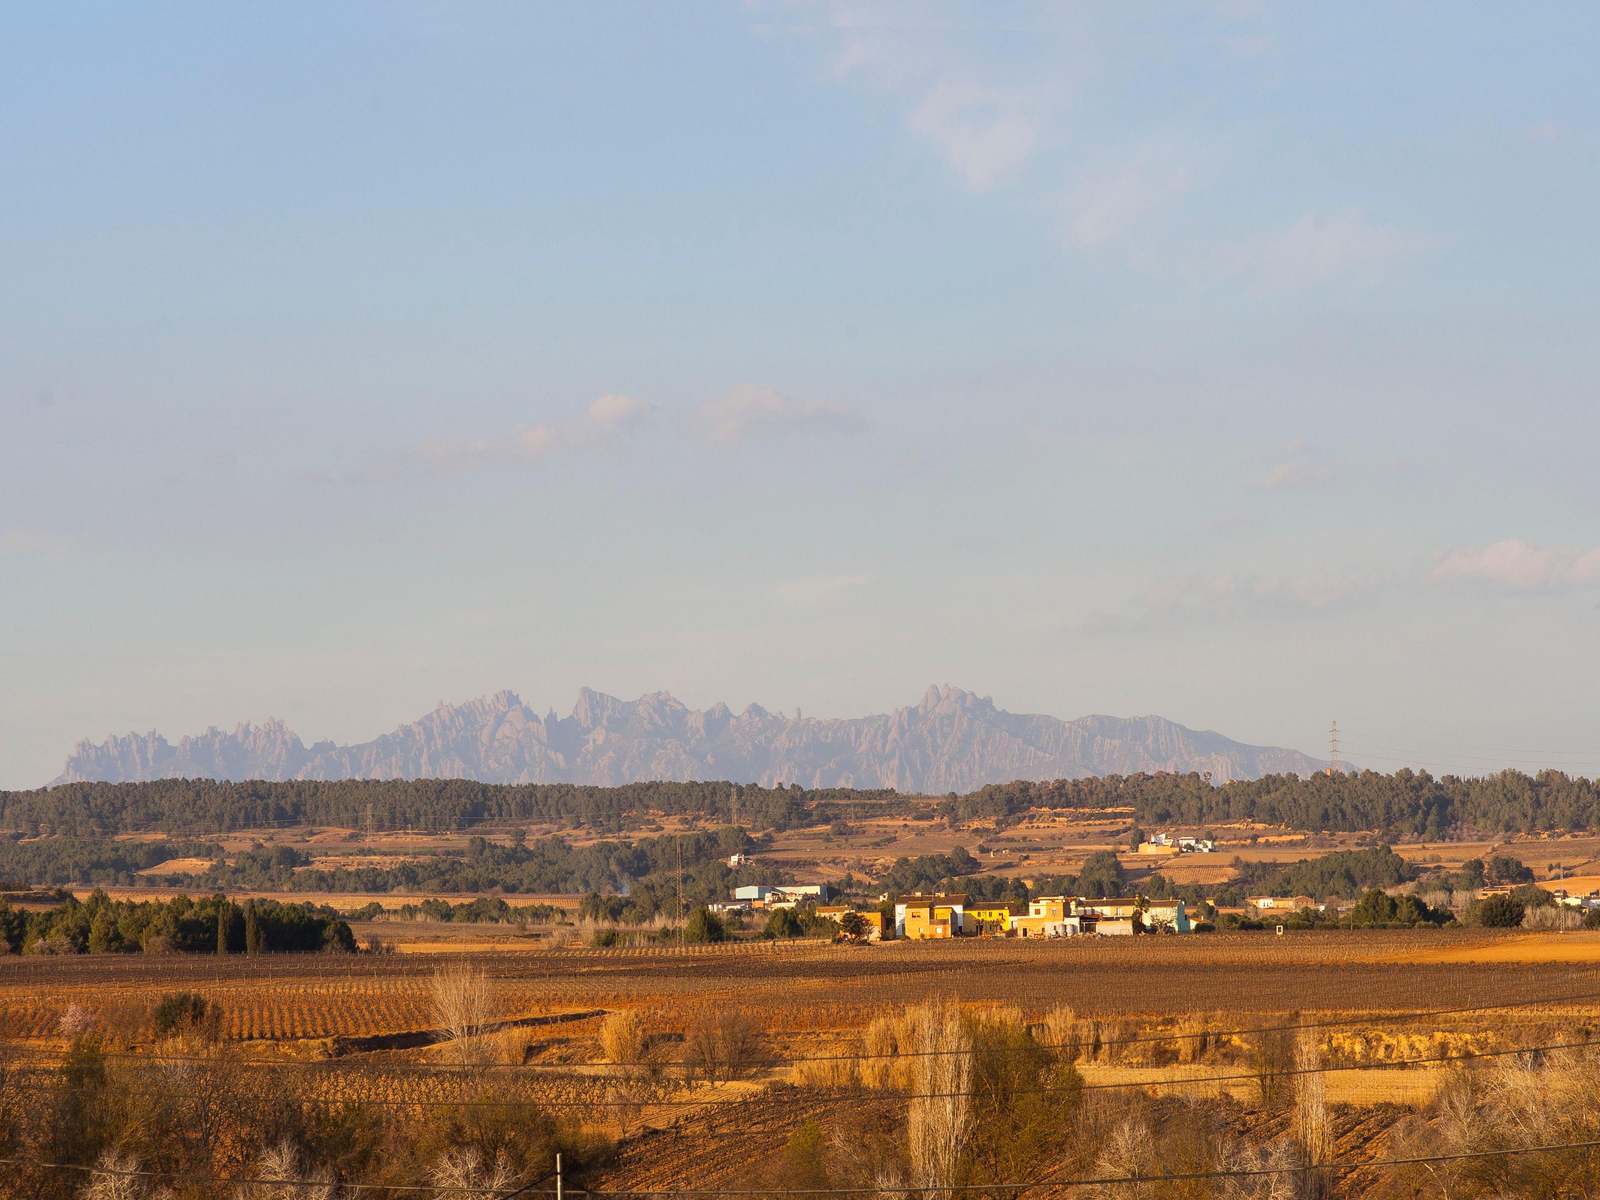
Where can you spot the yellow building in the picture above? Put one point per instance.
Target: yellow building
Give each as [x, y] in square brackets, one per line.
[993, 917]
[873, 918]
[1048, 916]
[919, 917]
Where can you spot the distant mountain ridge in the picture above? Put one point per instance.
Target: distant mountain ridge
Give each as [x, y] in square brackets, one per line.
[953, 740]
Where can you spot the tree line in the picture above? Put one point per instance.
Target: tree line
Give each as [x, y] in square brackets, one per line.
[212, 806]
[213, 925]
[1404, 803]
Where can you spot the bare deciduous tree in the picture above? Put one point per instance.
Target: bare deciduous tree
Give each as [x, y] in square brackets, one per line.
[461, 1174]
[1125, 1154]
[280, 1163]
[940, 1113]
[114, 1185]
[724, 1045]
[461, 1008]
[1313, 1133]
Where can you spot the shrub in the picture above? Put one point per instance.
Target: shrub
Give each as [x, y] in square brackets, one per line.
[177, 1012]
[724, 1045]
[1497, 912]
[703, 927]
[623, 1041]
[783, 923]
[803, 1164]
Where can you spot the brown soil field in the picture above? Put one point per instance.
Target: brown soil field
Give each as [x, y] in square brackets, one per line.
[360, 1029]
[808, 989]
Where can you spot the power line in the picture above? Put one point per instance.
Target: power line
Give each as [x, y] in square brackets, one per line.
[1376, 1164]
[216, 1181]
[1120, 1085]
[335, 1065]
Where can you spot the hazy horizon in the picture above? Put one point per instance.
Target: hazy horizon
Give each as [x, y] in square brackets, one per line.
[1233, 364]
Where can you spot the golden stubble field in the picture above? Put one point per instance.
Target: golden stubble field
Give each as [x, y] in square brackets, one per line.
[1171, 1018]
[808, 990]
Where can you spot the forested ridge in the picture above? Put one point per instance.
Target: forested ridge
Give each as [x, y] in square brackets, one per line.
[1405, 803]
[550, 864]
[214, 806]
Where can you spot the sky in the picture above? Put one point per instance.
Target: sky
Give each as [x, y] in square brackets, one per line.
[1233, 362]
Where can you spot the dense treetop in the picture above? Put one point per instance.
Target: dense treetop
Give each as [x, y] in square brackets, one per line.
[1405, 803]
[211, 806]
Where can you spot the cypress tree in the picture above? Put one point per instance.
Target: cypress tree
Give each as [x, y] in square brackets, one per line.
[252, 929]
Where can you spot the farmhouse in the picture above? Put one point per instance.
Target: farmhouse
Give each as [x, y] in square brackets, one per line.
[994, 917]
[1165, 843]
[1280, 904]
[870, 916]
[1124, 909]
[939, 915]
[1162, 915]
[1154, 846]
[1048, 916]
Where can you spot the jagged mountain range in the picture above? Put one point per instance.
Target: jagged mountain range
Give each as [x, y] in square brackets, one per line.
[952, 741]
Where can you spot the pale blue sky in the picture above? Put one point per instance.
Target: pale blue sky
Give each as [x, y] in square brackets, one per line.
[1234, 362]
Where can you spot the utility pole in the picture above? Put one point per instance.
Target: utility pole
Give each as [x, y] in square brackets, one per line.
[558, 1175]
[682, 930]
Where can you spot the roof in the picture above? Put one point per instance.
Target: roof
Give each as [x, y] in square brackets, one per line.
[1111, 900]
[919, 898]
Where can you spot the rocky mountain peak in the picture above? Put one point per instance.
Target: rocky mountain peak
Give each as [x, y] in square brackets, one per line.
[952, 740]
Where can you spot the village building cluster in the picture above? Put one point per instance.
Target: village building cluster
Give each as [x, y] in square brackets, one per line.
[1165, 843]
[946, 915]
[923, 916]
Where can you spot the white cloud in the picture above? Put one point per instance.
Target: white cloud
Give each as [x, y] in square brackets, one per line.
[985, 133]
[1520, 566]
[605, 417]
[1108, 201]
[1317, 249]
[613, 410]
[817, 590]
[746, 411]
[982, 122]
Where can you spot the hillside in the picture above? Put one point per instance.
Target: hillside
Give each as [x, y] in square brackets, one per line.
[953, 741]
